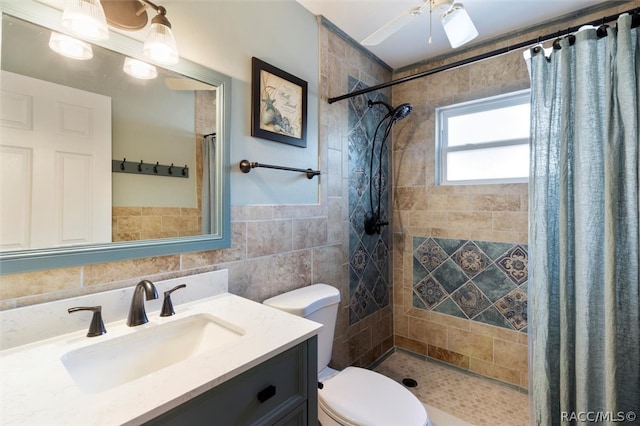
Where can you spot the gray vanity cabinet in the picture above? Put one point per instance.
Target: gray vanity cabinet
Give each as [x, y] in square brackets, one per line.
[280, 391]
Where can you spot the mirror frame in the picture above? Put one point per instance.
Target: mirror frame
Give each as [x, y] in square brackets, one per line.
[59, 257]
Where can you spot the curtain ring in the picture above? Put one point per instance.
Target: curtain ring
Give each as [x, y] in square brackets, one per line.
[635, 19]
[602, 30]
[556, 42]
[570, 37]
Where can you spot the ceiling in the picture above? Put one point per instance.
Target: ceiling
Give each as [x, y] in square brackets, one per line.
[409, 45]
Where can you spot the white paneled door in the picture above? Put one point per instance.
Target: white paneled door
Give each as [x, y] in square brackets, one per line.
[55, 165]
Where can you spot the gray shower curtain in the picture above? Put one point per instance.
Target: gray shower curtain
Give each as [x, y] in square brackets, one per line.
[583, 233]
[208, 184]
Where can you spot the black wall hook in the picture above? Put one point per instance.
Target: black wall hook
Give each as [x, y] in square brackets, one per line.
[157, 169]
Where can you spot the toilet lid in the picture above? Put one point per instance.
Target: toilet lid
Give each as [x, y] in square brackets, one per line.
[363, 397]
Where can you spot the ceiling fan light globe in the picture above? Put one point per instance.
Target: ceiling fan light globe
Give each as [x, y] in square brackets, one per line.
[458, 26]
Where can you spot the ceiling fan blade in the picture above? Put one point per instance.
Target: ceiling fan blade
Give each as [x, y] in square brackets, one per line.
[392, 26]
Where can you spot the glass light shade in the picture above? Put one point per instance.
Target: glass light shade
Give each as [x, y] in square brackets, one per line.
[458, 26]
[85, 18]
[139, 69]
[160, 45]
[70, 47]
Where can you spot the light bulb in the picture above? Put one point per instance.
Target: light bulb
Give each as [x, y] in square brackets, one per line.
[139, 69]
[85, 18]
[70, 47]
[160, 45]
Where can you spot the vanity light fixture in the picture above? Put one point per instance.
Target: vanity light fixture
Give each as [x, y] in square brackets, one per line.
[70, 47]
[89, 19]
[139, 69]
[458, 25]
[160, 45]
[86, 19]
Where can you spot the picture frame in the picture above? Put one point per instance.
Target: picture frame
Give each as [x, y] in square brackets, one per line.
[278, 105]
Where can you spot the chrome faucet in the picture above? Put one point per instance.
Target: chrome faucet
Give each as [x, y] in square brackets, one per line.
[137, 314]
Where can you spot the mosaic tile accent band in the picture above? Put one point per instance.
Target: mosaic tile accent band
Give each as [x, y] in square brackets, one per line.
[368, 254]
[477, 280]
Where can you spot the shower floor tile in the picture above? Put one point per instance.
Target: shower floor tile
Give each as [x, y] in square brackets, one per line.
[470, 398]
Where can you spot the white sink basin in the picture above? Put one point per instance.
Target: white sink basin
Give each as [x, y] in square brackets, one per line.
[112, 362]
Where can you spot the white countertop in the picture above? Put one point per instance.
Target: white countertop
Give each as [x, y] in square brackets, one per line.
[36, 389]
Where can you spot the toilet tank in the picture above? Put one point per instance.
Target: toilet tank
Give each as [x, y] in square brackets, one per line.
[317, 302]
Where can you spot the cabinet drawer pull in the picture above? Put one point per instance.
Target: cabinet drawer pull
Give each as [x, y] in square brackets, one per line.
[266, 393]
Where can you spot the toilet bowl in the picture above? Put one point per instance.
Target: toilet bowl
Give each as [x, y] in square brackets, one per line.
[354, 396]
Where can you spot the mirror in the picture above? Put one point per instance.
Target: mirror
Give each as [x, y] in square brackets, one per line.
[158, 204]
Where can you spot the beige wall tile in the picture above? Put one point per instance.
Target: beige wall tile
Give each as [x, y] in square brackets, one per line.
[489, 369]
[450, 357]
[469, 220]
[448, 320]
[269, 237]
[448, 202]
[492, 331]
[495, 202]
[109, 272]
[33, 283]
[309, 233]
[471, 344]
[410, 344]
[511, 355]
[511, 221]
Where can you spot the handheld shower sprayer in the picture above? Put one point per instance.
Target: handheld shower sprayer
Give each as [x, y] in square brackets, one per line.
[396, 114]
[372, 221]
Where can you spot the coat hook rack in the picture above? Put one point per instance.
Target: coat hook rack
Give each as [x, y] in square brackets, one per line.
[142, 168]
[246, 166]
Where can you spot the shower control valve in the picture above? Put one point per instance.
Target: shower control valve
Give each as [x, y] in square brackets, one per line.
[372, 224]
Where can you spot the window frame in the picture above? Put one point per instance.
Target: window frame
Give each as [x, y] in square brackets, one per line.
[470, 107]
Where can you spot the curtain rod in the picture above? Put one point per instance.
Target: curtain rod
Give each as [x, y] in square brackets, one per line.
[481, 57]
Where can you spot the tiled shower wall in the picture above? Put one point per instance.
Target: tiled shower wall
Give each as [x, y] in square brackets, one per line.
[440, 311]
[364, 330]
[477, 280]
[464, 323]
[368, 254]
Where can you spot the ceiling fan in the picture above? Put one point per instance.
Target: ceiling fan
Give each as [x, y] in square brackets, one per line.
[455, 20]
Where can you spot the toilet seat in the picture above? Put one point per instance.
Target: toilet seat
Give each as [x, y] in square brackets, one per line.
[360, 397]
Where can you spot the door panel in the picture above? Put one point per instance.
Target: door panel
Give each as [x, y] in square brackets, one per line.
[68, 133]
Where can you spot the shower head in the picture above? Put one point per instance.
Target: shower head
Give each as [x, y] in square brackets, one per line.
[396, 114]
[401, 112]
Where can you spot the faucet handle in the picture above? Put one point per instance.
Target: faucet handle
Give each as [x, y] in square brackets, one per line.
[96, 328]
[167, 305]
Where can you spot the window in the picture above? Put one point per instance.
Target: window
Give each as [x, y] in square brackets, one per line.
[484, 141]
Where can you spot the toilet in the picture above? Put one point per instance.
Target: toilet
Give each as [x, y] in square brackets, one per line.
[354, 396]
